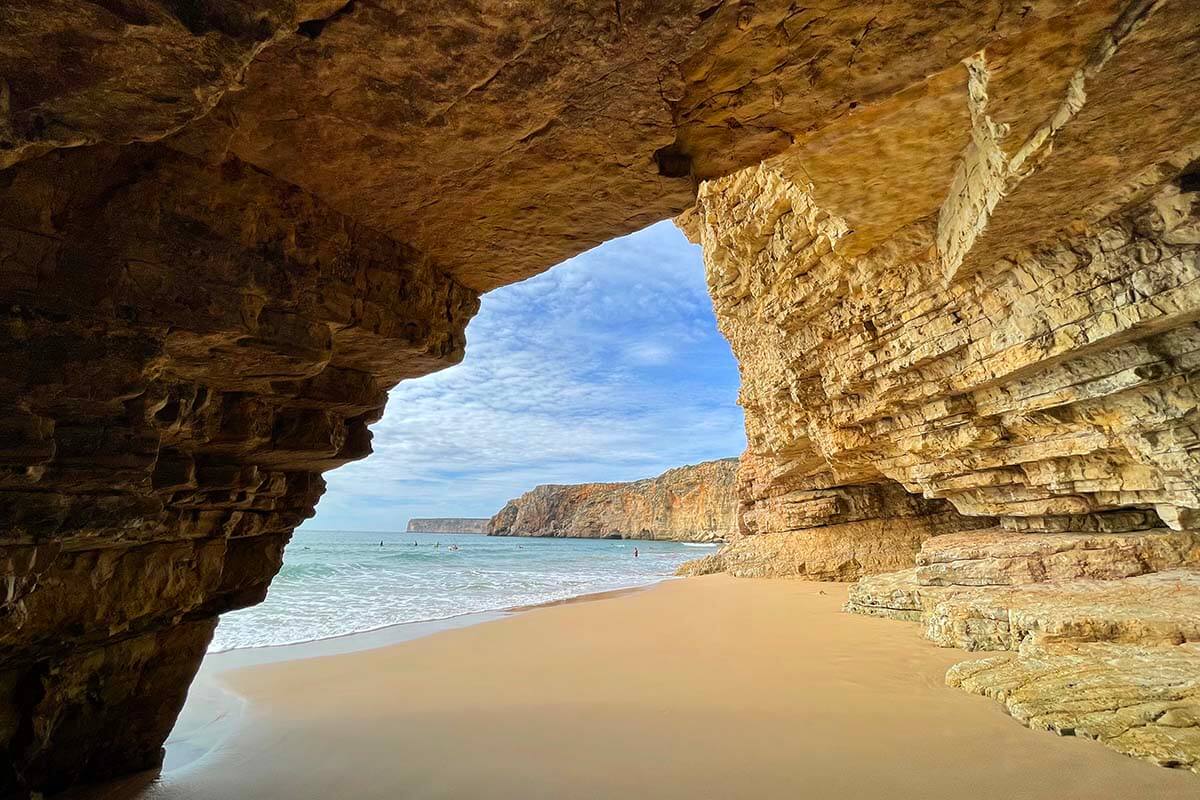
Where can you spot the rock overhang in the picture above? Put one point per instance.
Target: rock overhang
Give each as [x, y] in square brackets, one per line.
[257, 222]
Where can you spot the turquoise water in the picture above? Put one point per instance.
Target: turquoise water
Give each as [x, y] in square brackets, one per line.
[338, 582]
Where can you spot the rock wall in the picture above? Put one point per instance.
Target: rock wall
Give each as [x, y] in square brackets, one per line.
[953, 245]
[991, 392]
[986, 301]
[837, 534]
[185, 350]
[448, 525]
[687, 504]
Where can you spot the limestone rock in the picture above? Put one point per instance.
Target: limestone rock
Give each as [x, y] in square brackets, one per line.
[890, 532]
[69, 729]
[185, 350]
[992, 557]
[496, 137]
[1157, 608]
[448, 525]
[1102, 628]
[1142, 701]
[886, 333]
[1005, 588]
[694, 503]
[960, 392]
[954, 248]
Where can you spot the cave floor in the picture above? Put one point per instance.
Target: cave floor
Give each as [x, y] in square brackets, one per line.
[705, 687]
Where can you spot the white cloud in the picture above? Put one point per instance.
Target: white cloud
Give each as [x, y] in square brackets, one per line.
[607, 367]
[650, 353]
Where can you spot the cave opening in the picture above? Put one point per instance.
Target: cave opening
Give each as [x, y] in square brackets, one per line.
[606, 368]
[952, 252]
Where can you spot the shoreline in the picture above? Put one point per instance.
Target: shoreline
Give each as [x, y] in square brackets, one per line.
[640, 695]
[622, 582]
[214, 710]
[598, 595]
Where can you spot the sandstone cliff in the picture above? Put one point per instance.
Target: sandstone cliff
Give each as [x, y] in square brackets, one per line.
[954, 247]
[957, 354]
[448, 525]
[687, 504]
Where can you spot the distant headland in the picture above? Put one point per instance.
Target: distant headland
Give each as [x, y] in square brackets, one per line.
[695, 503]
[447, 525]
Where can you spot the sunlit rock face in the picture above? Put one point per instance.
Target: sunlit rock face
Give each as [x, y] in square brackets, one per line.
[978, 304]
[696, 503]
[835, 533]
[1052, 391]
[951, 244]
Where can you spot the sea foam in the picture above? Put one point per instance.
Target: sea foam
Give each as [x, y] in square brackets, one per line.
[333, 582]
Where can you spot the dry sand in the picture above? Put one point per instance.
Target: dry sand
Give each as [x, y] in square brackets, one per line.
[701, 688]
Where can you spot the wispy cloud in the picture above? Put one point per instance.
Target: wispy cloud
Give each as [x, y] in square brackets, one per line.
[607, 367]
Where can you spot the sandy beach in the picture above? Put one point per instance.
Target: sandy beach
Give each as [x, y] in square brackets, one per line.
[701, 688]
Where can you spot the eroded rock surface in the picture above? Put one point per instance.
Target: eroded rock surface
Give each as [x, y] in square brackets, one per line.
[837, 534]
[961, 286]
[696, 503]
[185, 350]
[1052, 392]
[1142, 701]
[497, 137]
[934, 297]
[1088, 604]
[1102, 628]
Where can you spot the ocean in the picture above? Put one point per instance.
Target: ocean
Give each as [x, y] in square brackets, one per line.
[338, 582]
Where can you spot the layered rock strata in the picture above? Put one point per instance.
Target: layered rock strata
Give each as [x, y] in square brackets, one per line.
[448, 525]
[1141, 589]
[965, 272]
[1142, 701]
[840, 533]
[185, 351]
[695, 503]
[1053, 392]
[984, 293]
[1101, 630]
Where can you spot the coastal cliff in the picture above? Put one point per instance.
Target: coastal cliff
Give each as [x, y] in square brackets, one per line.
[969, 377]
[448, 525]
[955, 248]
[687, 504]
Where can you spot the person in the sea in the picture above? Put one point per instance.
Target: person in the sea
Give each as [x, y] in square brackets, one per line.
[381, 542]
[635, 553]
[436, 545]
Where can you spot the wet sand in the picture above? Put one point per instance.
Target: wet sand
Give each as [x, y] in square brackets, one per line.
[702, 688]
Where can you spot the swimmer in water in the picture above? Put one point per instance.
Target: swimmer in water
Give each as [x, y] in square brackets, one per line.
[635, 552]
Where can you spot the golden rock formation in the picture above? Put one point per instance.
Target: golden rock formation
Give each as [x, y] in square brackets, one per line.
[696, 503]
[954, 247]
[982, 295]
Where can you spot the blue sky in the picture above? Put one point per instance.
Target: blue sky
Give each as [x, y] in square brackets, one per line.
[608, 367]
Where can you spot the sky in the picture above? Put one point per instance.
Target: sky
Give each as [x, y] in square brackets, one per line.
[608, 367]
